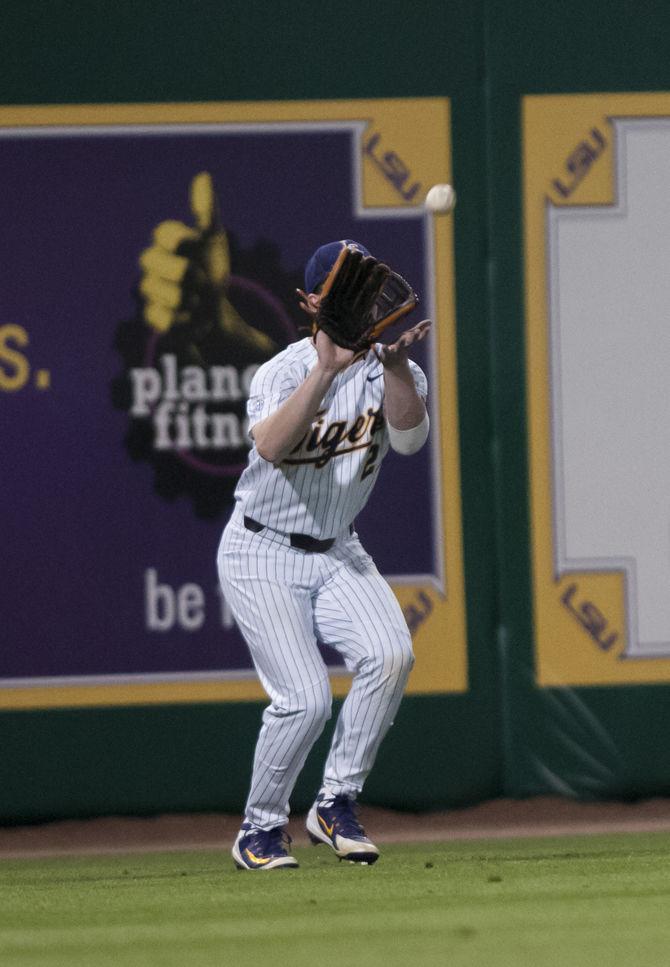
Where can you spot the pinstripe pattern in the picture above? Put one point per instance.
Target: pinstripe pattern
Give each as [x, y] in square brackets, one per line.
[301, 497]
[285, 599]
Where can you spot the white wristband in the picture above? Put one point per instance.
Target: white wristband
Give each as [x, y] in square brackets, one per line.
[409, 441]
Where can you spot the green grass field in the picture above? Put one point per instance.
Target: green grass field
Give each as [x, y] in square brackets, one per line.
[598, 901]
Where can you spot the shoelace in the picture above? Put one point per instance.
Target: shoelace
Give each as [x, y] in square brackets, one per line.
[271, 842]
[347, 821]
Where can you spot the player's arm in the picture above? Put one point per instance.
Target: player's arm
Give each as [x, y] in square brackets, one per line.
[279, 433]
[404, 408]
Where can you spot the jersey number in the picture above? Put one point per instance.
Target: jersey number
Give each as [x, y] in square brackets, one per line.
[369, 465]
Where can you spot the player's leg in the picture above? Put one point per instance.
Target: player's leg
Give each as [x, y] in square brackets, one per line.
[357, 613]
[267, 588]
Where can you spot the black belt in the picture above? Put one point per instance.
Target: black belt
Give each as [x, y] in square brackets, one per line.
[302, 541]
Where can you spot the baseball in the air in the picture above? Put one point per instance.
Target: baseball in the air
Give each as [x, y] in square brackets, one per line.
[441, 199]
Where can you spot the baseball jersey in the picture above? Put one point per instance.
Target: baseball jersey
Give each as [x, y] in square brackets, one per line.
[321, 486]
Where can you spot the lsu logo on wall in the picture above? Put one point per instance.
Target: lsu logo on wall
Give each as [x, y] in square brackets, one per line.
[597, 221]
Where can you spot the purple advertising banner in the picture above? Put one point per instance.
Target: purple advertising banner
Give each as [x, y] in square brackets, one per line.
[123, 433]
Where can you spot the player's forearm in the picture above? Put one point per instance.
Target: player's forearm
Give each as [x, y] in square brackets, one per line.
[403, 406]
[279, 433]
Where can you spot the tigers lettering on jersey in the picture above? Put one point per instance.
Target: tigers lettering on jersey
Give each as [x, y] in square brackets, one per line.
[340, 431]
[325, 482]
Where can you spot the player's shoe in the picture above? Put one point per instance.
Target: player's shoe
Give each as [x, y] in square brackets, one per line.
[335, 823]
[262, 849]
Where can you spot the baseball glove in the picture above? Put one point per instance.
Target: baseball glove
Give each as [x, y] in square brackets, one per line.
[361, 297]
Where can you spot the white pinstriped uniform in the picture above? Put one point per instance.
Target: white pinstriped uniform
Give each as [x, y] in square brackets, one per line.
[284, 598]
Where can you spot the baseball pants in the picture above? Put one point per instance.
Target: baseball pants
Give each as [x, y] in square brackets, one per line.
[283, 600]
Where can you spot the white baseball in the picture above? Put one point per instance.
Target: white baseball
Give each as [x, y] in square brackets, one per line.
[440, 198]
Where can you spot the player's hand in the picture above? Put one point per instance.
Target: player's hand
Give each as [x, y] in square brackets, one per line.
[186, 271]
[395, 355]
[332, 358]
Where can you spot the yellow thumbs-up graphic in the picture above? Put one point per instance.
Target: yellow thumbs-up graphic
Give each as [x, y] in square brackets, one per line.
[186, 273]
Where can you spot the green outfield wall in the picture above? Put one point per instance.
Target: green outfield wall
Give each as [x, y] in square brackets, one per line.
[561, 695]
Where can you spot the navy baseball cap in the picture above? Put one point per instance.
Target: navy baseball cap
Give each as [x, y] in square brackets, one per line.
[320, 264]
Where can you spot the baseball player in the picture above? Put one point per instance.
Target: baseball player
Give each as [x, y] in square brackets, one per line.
[323, 414]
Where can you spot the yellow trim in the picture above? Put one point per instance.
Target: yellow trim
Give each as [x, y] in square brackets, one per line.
[328, 829]
[552, 127]
[415, 132]
[259, 860]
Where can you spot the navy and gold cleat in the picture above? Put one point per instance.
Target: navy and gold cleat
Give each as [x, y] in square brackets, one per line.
[262, 849]
[334, 822]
